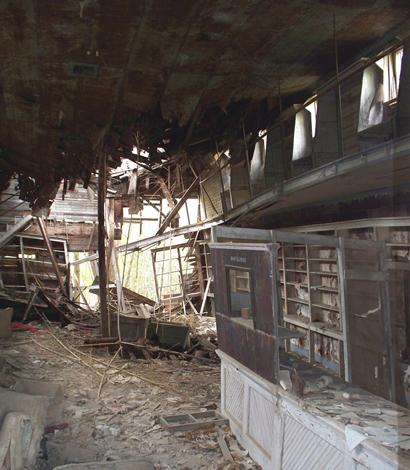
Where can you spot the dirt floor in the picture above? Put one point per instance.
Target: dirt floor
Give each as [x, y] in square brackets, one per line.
[111, 410]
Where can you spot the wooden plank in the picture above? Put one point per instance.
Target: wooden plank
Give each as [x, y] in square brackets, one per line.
[355, 224]
[51, 253]
[130, 294]
[4, 239]
[387, 320]
[192, 306]
[134, 246]
[118, 283]
[31, 301]
[157, 290]
[23, 262]
[399, 265]
[181, 276]
[79, 235]
[102, 270]
[173, 247]
[224, 447]
[362, 275]
[177, 207]
[302, 238]
[208, 285]
[221, 233]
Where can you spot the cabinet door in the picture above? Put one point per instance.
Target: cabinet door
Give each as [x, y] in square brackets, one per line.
[367, 316]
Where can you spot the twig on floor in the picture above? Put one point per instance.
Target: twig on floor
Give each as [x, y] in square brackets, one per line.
[76, 360]
[105, 373]
[115, 369]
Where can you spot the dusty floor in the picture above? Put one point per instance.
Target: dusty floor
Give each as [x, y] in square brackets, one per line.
[122, 423]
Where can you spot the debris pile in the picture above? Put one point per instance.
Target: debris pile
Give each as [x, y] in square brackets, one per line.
[112, 406]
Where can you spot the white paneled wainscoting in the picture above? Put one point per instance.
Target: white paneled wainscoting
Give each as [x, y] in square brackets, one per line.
[282, 432]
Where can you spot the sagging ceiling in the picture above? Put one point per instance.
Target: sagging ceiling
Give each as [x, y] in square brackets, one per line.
[81, 76]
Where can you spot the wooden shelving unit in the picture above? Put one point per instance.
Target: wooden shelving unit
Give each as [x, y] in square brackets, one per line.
[309, 279]
[25, 262]
[335, 291]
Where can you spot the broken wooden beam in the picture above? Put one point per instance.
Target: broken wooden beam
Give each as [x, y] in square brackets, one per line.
[208, 285]
[143, 242]
[132, 295]
[33, 297]
[178, 206]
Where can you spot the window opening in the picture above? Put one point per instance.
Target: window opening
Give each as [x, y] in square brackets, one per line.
[240, 293]
[305, 130]
[380, 88]
[391, 66]
[312, 108]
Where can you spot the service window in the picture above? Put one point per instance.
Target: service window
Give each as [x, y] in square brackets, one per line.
[240, 292]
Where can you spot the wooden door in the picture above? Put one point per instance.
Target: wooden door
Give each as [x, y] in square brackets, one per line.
[369, 351]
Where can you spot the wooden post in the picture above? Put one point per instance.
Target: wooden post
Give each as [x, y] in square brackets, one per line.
[30, 304]
[120, 294]
[201, 280]
[23, 264]
[181, 276]
[208, 285]
[248, 160]
[102, 269]
[339, 93]
[52, 255]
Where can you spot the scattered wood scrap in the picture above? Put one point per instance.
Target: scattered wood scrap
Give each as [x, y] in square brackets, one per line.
[224, 447]
[193, 421]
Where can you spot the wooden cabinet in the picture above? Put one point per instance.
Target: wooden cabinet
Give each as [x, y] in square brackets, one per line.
[334, 292]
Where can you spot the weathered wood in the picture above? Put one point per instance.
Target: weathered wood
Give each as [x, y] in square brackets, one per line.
[181, 275]
[101, 340]
[208, 285]
[193, 421]
[4, 239]
[102, 270]
[23, 263]
[79, 235]
[363, 275]
[192, 306]
[177, 207]
[52, 255]
[248, 344]
[131, 295]
[30, 304]
[153, 260]
[143, 242]
[118, 282]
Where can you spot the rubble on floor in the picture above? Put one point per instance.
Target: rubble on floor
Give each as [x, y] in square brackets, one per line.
[140, 464]
[111, 406]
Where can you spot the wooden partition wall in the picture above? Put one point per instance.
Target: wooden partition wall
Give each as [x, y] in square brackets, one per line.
[335, 293]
